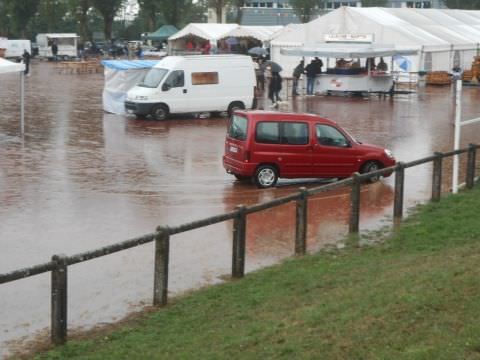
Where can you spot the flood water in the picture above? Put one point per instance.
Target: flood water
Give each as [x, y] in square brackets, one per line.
[81, 179]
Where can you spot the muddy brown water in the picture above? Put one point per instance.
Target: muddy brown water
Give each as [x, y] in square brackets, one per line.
[80, 179]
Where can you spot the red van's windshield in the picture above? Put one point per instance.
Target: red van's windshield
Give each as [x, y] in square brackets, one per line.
[238, 128]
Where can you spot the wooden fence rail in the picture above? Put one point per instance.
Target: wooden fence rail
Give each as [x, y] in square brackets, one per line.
[58, 266]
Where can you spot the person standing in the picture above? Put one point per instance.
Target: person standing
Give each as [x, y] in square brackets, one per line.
[26, 60]
[54, 50]
[297, 72]
[319, 64]
[311, 71]
[274, 88]
[260, 74]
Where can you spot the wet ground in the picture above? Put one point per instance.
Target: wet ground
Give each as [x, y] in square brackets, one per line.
[80, 179]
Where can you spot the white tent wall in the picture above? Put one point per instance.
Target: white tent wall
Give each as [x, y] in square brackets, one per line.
[210, 32]
[438, 34]
[386, 29]
[7, 67]
[117, 83]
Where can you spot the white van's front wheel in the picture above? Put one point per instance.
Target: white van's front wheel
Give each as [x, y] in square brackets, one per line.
[159, 112]
[266, 176]
[237, 105]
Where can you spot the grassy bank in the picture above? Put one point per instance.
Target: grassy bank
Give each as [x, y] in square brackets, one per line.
[417, 296]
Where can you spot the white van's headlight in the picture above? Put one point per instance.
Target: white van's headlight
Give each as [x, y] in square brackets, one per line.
[388, 153]
[141, 97]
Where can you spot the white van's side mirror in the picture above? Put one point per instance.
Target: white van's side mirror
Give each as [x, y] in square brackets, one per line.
[166, 87]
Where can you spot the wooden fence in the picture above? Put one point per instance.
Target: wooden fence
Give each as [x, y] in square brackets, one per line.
[59, 264]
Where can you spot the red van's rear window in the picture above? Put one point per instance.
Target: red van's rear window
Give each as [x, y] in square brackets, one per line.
[238, 127]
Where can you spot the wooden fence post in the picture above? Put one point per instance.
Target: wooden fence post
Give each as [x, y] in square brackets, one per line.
[437, 177]
[162, 255]
[471, 162]
[354, 205]
[301, 222]
[399, 188]
[239, 243]
[59, 300]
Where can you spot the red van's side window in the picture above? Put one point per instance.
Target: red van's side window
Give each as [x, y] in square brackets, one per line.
[273, 132]
[329, 136]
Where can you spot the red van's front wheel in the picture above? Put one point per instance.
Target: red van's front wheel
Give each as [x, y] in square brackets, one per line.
[266, 176]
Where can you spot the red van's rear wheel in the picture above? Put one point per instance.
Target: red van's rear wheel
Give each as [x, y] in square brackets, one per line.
[266, 176]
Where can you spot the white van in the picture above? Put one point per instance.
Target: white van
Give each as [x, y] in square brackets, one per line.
[200, 83]
[15, 48]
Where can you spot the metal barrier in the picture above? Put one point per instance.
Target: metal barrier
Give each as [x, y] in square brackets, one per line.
[58, 266]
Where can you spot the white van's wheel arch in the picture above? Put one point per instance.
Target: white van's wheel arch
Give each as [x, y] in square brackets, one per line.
[236, 105]
[159, 112]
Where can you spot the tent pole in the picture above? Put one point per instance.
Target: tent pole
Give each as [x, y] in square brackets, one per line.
[22, 97]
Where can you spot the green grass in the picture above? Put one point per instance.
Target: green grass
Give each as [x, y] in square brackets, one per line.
[416, 296]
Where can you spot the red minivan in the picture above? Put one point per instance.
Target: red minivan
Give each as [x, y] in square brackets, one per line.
[267, 145]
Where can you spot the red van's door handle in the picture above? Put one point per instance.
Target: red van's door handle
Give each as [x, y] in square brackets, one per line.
[309, 147]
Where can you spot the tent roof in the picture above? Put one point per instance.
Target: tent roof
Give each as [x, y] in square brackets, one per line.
[348, 50]
[162, 33]
[10, 67]
[434, 29]
[204, 31]
[129, 64]
[262, 33]
[58, 36]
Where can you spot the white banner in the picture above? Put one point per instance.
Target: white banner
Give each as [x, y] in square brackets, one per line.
[354, 38]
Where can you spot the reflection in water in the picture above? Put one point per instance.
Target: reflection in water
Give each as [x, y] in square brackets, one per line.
[81, 179]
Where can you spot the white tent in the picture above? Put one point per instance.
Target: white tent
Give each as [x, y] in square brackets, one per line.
[210, 32]
[443, 37]
[120, 77]
[11, 67]
[261, 33]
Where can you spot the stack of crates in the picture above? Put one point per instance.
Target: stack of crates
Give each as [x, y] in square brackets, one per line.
[438, 78]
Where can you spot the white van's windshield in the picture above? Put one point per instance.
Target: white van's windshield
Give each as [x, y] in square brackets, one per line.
[153, 78]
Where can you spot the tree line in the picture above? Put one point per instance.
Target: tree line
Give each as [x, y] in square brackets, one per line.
[26, 18]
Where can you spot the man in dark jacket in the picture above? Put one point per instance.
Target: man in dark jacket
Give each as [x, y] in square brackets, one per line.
[26, 61]
[319, 64]
[311, 70]
[274, 88]
[297, 72]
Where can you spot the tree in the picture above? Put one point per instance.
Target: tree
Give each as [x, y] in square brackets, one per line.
[149, 11]
[218, 5]
[238, 4]
[21, 12]
[306, 9]
[174, 12]
[373, 3]
[463, 4]
[79, 10]
[4, 20]
[108, 9]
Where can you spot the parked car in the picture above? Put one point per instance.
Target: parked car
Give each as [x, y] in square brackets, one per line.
[265, 146]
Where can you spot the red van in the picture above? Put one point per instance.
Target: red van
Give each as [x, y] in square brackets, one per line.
[266, 146]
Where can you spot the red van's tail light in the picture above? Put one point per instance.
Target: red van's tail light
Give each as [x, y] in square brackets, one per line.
[246, 156]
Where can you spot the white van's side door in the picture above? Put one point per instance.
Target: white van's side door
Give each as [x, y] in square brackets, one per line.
[206, 94]
[173, 91]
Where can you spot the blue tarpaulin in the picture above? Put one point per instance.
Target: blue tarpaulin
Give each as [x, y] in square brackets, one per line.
[129, 64]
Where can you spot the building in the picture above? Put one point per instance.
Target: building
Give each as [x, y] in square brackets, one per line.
[280, 12]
